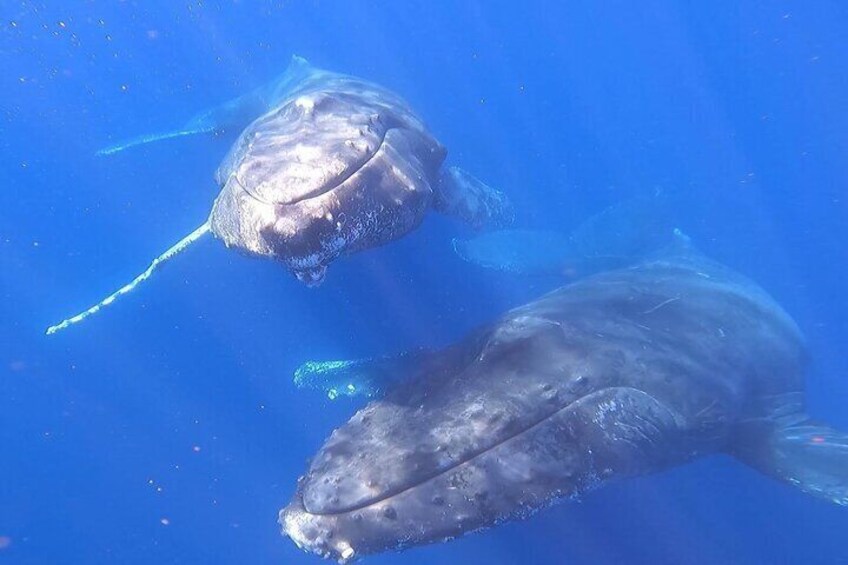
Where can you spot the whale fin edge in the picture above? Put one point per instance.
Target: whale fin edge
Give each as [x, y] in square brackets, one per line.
[809, 455]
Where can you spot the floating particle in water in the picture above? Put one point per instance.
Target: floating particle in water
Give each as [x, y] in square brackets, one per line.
[125, 87]
[152, 34]
[61, 24]
[196, 449]
[13, 23]
[165, 522]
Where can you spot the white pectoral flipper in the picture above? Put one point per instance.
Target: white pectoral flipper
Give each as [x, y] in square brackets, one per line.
[369, 378]
[806, 454]
[169, 254]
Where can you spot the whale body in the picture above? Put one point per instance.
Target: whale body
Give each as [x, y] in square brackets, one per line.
[623, 373]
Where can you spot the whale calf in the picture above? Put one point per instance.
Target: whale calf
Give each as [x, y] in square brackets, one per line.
[623, 373]
[339, 165]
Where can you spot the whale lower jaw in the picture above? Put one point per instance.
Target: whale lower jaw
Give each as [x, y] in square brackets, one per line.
[346, 536]
[305, 530]
[379, 527]
[434, 511]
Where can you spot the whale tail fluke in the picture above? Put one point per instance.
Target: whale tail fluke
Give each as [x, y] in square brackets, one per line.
[172, 251]
[808, 455]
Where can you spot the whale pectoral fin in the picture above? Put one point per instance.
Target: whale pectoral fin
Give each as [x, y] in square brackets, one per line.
[629, 432]
[810, 456]
[370, 377]
[150, 138]
[466, 197]
[169, 254]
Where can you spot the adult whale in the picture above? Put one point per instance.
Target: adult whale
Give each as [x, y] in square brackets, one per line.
[623, 373]
[336, 166]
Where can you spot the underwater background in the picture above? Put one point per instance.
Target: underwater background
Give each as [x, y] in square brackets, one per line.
[167, 429]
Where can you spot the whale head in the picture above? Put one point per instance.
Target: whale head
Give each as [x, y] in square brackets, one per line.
[494, 434]
[339, 166]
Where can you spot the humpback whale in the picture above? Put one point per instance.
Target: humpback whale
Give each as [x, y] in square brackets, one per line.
[339, 165]
[623, 373]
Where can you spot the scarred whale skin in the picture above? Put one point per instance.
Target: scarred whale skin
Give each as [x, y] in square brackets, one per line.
[624, 373]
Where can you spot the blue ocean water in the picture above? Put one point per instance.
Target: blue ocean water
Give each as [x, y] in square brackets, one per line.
[168, 430]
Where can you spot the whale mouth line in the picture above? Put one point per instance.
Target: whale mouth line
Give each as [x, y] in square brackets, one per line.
[322, 190]
[250, 193]
[440, 472]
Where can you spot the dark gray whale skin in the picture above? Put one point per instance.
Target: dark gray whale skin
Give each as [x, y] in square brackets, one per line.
[623, 373]
[339, 165]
